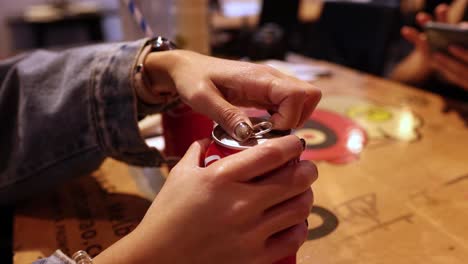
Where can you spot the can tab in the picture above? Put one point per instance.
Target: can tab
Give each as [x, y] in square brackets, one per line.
[258, 130]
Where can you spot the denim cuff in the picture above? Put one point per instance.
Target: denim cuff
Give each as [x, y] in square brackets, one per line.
[58, 257]
[114, 106]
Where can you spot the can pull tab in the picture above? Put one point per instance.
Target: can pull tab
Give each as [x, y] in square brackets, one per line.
[260, 129]
[244, 132]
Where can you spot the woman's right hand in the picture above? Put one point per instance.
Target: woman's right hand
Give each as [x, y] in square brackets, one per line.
[249, 207]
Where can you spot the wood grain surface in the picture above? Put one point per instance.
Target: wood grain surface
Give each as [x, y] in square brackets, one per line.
[404, 200]
[401, 202]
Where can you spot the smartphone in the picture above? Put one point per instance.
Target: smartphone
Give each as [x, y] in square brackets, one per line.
[441, 35]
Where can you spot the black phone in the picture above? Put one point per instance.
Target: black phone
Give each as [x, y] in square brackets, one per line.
[441, 35]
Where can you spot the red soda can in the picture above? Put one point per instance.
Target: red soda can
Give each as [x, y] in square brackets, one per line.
[224, 145]
[181, 127]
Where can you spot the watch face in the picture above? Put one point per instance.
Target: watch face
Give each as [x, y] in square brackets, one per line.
[162, 44]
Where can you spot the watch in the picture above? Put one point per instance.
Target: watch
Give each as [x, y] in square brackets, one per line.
[161, 44]
[141, 82]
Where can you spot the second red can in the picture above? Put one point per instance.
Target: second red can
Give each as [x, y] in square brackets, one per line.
[181, 127]
[224, 145]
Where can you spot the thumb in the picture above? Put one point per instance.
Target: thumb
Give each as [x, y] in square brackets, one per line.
[195, 153]
[418, 39]
[441, 13]
[423, 18]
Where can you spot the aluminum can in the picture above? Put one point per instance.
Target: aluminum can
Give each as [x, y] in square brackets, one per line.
[223, 145]
[181, 127]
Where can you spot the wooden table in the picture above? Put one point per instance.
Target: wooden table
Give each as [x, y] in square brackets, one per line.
[404, 200]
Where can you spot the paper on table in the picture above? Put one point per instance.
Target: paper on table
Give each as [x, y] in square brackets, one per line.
[305, 72]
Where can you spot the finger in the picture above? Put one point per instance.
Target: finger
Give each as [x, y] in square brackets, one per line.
[423, 43]
[415, 37]
[309, 106]
[450, 64]
[289, 213]
[422, 18]
[298, 100]
[212, 103]
[258, 160]
[262, 86]
[459, 52]
[285, 183]
[451, 72]
[289, 111]
[447, 74]
[410, 34]
[194, 154]
[286, 243]
[441, 13]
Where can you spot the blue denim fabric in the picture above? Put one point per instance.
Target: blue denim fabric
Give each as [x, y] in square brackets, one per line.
[58, 257]
[62, 113]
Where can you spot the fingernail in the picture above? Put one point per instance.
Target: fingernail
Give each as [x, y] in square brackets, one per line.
[303, 142]
[242, 131]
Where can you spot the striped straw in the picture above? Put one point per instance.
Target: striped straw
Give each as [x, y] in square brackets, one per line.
[138, 17]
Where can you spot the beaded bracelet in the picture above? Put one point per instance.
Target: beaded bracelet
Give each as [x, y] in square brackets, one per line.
[81, 257]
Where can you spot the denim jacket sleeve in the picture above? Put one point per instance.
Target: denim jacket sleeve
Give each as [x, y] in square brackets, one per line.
[62, 113]
[58, 257]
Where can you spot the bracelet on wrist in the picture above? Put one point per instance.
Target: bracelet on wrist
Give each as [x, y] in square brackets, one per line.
[81, 257]
[141, 82]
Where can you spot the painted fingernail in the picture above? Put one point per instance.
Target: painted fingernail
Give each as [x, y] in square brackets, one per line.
[242, 131]
[303, 142]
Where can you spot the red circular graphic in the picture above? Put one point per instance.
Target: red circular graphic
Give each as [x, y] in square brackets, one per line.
[329, 136]
[332, 137]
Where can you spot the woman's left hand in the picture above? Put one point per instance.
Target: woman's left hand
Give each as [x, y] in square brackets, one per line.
[215, 87]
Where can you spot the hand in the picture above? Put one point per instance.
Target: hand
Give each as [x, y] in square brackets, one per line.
[453, 70]
[419, 39]
[215, 87]
[416, 68]
[225, 213]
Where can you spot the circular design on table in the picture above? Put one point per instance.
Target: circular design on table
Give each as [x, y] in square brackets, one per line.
[370, 113]
[331, 137]
[316, 135]
[329, 223]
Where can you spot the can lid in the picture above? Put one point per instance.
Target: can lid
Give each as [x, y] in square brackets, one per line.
[262, 132]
